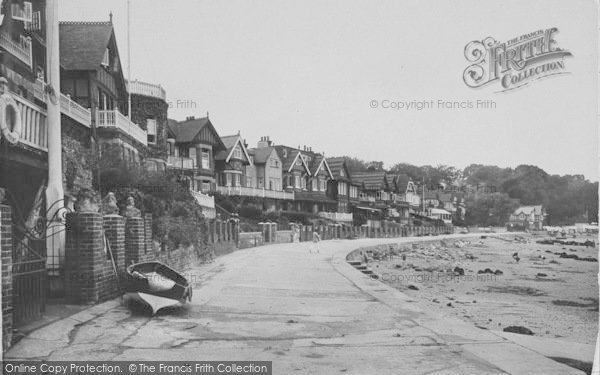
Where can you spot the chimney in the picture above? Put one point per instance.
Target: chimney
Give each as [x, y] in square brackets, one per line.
[189, 118]
[264, 142]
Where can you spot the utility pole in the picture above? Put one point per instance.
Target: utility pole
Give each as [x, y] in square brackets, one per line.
[129, 60]
[55, 234]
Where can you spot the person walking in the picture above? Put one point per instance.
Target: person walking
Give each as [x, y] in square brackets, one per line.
[315, 241]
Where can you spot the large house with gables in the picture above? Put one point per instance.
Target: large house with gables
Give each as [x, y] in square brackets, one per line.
[342, 189]
[92, 76]
[306, 174]
[191, 148]
[230, 164]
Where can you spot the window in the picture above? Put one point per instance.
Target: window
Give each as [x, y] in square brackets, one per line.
[270, 184]
[249, 181]
[297, 182]
[192, 152]
[315, 185]
[205, 160]
[274, 163]
[227, 179]
[261, 182]
[237, 152]
[322, 186]
[236, 180]
[151, 130]
[105, 58]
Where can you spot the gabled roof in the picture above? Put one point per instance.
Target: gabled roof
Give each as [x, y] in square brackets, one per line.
[371, 180]
[288, 156]
[186, 131]
[230, 142]
[82, 44]
[528, 210]
[261, 155]
[319, 162]
[402, 182]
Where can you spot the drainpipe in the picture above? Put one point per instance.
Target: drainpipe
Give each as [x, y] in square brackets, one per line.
[55, 241]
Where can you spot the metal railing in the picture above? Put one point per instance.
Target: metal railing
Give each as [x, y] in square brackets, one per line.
[115, 119]
[147, 89]
[255, 192]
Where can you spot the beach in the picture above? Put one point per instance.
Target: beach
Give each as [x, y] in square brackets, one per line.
[497, 282]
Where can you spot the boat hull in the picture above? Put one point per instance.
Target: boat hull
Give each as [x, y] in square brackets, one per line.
[156, 285]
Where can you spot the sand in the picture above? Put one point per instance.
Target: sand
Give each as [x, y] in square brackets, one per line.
[551, 296]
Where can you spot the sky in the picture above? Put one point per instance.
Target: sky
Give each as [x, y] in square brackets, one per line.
[311, 72]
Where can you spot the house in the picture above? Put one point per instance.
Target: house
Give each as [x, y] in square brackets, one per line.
[149, 109]
[405, 198]
[528, 217]
[306, 174]
[92, 76]
[266, 172]
[342, 189]
[230, 163]
[191, 147]
[23, 68]
[374, 195]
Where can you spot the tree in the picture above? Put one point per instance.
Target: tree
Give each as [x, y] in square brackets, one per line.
[489, 209]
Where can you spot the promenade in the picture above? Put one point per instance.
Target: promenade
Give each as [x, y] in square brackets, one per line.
[308, 313]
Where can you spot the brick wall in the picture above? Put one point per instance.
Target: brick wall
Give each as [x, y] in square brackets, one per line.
[84, 257]
[135, 240]
[114, 229]
[6, 254]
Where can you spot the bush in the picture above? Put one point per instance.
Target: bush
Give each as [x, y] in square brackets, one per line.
[177, 217]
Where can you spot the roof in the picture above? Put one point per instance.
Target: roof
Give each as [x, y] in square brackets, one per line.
[82, 44]
[337, 165]
[230, 141]
[528, 210]
[261, 155]
[402, 181]
[288, 157]
[186, 131]
[371, 180]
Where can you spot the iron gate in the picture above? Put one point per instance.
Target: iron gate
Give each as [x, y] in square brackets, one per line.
[29, 277]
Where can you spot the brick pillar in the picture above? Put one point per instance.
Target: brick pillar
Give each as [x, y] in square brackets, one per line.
[6, 254]
[114, 229]
[84, 257]
[148, 236]
[135, 242]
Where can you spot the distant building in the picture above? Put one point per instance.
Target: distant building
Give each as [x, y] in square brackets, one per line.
[528, 217]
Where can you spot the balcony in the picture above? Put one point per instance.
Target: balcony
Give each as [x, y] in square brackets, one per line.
[20, 49]
[336, 216]
[254, 192]
[70, 108]
[177, 162]
[147, 89]
[34, 128]
[116, 120]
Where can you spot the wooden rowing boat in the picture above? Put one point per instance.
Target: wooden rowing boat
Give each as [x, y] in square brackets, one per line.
[157, 285]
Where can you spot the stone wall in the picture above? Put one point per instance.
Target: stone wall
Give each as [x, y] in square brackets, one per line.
[77, 157]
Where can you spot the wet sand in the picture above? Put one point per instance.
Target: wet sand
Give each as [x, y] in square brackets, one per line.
[551, 296]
